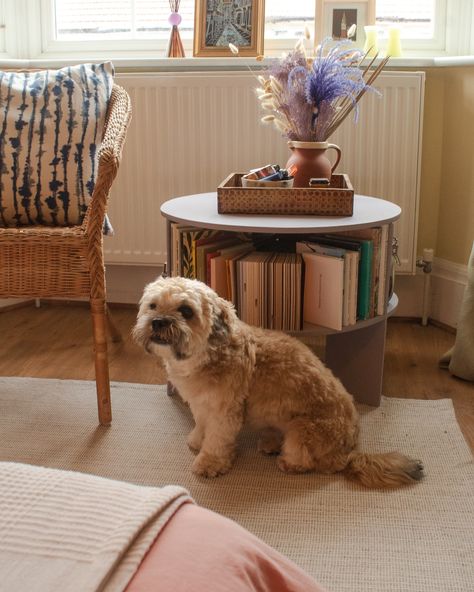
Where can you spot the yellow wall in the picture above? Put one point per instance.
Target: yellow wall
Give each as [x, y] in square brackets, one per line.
[446, 215]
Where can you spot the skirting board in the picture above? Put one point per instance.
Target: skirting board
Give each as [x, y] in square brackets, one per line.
[125, 285]
[6, 303]
[447, 284]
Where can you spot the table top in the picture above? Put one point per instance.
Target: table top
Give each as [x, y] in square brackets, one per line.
[201, 210]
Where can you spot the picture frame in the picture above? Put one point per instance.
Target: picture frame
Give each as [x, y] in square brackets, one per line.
[335, 17]
[220, 22]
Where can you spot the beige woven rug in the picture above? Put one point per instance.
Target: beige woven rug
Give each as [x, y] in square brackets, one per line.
[348, 538]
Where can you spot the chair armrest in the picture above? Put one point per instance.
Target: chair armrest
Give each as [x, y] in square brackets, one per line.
[110, 152]
[116, 124]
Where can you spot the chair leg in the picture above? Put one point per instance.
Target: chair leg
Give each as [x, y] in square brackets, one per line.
[99, 327]
[114, 333]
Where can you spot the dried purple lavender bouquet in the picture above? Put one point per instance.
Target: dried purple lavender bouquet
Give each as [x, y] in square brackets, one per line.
[309, 96]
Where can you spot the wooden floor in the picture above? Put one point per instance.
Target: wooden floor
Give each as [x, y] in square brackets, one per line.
[55, 341]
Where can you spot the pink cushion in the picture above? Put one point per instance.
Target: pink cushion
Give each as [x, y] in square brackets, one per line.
[201, 550]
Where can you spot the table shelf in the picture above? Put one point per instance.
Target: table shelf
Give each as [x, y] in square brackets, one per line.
[308, 328]
[356, 353]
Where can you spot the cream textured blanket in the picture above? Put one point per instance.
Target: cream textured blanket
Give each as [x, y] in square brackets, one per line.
[67, 531]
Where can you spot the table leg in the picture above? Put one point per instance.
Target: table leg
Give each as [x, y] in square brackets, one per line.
[170, 390]
[357, 358]
[169, 261]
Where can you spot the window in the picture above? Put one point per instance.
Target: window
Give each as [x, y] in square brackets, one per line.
[48, 29]
[119, 19]
[287, 19]
[148, 19]
[2, 27]
[416, 19]
[421, 22]
[69, 25]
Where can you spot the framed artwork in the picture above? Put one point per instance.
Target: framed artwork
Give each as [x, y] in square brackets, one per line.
[335, 17]
[220, 22]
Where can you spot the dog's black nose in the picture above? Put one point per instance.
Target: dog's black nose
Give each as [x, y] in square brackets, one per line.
[158, 324]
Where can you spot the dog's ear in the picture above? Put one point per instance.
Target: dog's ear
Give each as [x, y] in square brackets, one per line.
[224, 316]
[146, 291]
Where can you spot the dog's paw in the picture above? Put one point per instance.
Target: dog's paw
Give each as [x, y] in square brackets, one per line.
[207, 465]
[290, 468]
[415, 469]
[194, 440]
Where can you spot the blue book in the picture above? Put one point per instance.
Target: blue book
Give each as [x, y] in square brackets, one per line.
[365, 279]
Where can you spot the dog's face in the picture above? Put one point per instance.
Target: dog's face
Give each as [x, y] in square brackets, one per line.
[178, 318]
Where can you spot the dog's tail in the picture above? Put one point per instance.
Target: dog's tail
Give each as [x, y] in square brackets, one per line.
[383, 470]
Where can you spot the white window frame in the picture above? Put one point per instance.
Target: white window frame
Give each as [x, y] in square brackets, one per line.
[460, 27]
[435, 45]
[52, 47]
[453, 32]
[29, 35]
[2, 28]
[22, 33]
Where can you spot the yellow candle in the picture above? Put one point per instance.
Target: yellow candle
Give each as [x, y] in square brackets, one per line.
[371, 41]
[394, 46]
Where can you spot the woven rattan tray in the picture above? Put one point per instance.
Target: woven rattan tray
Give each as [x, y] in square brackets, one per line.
[337, 199]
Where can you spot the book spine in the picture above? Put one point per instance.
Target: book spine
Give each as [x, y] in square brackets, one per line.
[346, 289]
[365, 279]
[382, 271]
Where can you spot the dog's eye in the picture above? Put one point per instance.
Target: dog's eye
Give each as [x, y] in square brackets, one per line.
[153, 305]
[186, 311]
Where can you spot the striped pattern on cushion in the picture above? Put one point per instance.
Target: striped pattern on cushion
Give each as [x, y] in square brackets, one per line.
[51, 126]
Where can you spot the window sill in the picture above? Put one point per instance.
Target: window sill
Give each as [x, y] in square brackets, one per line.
[161, 64]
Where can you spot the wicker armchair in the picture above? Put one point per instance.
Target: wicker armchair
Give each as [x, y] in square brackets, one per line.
[49, 262]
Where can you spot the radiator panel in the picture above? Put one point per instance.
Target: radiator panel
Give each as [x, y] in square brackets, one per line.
[190, 130]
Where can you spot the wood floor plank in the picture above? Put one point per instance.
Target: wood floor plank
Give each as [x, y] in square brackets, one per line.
[55, 341]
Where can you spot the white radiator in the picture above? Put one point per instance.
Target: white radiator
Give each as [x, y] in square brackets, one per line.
[190, 130]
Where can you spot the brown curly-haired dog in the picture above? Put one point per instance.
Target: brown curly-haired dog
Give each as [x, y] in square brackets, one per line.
[230, 373]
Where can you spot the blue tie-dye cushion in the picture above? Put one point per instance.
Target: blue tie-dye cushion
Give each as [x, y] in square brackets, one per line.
[51, 125]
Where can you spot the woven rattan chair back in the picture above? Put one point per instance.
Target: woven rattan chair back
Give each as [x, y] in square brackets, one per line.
[50, 262]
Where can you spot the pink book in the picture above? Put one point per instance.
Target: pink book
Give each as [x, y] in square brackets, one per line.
[323, 290]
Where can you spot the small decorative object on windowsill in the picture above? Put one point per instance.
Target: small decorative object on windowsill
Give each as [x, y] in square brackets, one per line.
[307, 96]
[394, 45]
[175, 46]
[371, 46]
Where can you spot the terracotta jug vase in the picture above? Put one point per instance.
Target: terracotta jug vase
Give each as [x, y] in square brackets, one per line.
[311, 161]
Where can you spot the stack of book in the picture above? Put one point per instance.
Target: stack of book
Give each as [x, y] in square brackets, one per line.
[264, 286]
[270, 290]
[345, 276]
[332, 280]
